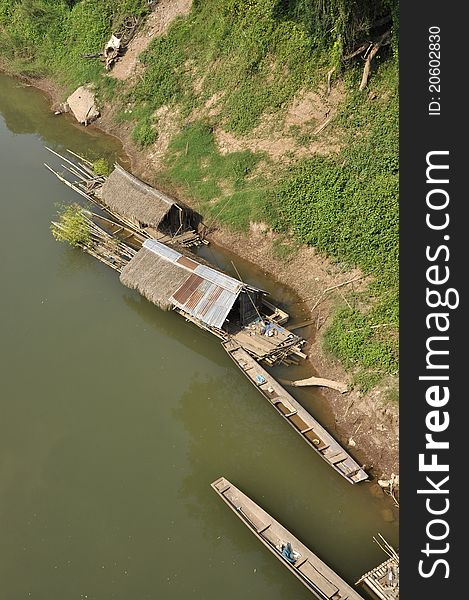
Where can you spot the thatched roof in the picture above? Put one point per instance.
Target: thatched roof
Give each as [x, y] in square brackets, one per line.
[134, 199]
[169, 279]
[155, 279]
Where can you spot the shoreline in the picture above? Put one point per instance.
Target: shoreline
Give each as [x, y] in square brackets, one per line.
[367, 425]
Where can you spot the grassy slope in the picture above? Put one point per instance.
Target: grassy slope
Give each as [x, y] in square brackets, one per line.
[257, 56]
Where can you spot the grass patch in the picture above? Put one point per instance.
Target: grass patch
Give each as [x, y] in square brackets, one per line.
[48, 37]
[220, 184]
[256, 59]
[284, 248]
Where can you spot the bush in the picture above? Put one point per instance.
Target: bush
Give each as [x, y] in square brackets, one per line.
[71, 226]
[144, 134]
[102, 167]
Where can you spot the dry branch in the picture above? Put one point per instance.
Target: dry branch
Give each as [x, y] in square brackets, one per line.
[329, 76]
[383, 41]
[335, 385]
[334, 287]
[358, 51]
[322, 126]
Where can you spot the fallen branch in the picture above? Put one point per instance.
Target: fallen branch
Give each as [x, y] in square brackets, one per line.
[335, 385]
[358, 51]
[383, 41]
[373, 327]
[339, 285]
[334, 287]
[329, 76]
[322, 126]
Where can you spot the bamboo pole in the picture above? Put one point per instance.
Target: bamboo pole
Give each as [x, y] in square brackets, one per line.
[75, 172]
[70, 185]
[66, 160]
[81, 158]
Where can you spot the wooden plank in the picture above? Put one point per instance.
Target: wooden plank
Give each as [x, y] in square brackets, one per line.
[338, 458]
[326, 587]
[295, 326]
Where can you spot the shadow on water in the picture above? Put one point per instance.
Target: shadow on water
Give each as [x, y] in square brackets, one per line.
[172, 324]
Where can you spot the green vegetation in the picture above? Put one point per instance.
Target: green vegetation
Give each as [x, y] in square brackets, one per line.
[256, 59]
[71, 226]
[144, 133]
[247, 60]
[49, 37]
[102, 167]
[220, 185]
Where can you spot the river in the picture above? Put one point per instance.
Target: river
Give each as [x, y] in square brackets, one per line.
[115, 417]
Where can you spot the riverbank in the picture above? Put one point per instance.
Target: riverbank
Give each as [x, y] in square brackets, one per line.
[366, 423]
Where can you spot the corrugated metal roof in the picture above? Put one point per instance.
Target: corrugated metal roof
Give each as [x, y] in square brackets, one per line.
[216, 277]
[207, 294]
[209, 303]
[187, 288]
[162, 250]
[187, 262]
[225, 281]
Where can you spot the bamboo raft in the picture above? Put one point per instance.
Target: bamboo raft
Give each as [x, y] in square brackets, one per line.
[103, 245]
[313, 573]
[85, 182]
[296, 416]
[383, 580]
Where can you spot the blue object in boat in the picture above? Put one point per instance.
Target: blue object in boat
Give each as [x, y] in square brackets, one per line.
[287, 552]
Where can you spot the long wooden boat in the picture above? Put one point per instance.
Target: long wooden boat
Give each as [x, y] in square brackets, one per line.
[295, 415]
[321, 580]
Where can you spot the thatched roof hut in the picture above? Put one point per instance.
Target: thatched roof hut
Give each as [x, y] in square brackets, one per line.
[137, 201]
[171, 280]
[154, 278]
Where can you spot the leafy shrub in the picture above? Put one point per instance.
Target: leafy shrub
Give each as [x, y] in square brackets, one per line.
[71, 226]
[101, 167]
[144, 134]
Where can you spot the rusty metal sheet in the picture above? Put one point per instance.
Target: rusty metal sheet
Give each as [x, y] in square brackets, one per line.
[206, 294]
[183, 294]
[208, 302]
[187, 262]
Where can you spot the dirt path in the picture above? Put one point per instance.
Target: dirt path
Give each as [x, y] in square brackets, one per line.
[156, 24]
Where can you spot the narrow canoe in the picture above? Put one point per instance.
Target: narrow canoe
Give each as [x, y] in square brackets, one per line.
[322, 581]
[296, 416]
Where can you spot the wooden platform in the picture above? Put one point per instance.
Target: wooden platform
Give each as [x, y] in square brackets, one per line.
[383, 580]
[186, 239]
[295, 415]
[274, 348]
[321, 580]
